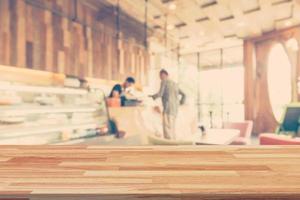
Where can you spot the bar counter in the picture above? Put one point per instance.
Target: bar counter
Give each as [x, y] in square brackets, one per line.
[182, 172]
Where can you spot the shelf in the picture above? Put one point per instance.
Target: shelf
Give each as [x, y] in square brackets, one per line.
[42, 90]
[24, 131]
[29, 109]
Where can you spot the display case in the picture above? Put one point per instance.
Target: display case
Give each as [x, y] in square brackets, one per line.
[49, 113]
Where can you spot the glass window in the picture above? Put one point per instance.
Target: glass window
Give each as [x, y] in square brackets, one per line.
[279, 79]
[221, 95]
[220, 83]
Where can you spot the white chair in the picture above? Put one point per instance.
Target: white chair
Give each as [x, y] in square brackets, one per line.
[154, 140]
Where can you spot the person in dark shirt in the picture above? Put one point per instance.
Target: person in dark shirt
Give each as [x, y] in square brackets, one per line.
[116, 91]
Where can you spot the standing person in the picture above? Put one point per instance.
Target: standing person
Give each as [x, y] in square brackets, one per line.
[169, 93]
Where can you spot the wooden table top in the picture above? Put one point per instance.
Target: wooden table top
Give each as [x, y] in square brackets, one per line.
[187, 172]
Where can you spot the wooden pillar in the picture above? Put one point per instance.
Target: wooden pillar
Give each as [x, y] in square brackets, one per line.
[249, 79]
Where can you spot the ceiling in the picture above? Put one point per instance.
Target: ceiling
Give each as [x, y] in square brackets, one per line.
[200, 25]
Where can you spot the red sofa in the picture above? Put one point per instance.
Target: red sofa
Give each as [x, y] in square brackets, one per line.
[274, 139]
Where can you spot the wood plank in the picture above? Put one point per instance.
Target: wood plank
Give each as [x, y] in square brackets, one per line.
[91, 172]
[21, 34]
[13, 28]
[29, 54]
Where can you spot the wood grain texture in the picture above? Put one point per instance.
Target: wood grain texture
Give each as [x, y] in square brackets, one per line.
[48, 35]
[211, 172]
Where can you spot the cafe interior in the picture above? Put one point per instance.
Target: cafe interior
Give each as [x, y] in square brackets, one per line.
[149, 99]
[237, 61]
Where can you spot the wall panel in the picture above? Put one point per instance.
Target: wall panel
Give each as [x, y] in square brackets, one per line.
[58, 36]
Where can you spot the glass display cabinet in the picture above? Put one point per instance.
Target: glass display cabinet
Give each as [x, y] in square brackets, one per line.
[35, 115]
